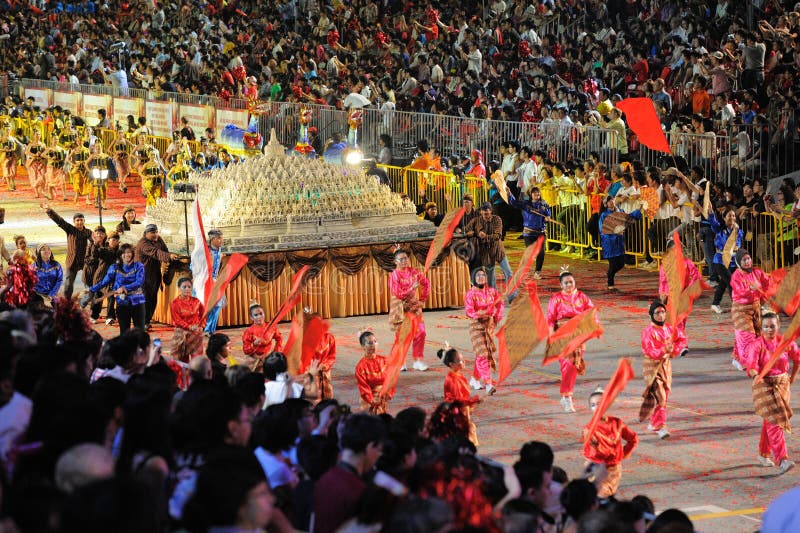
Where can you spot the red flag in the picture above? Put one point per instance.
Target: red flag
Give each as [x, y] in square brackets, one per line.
[226, 275]
[784, 289]
[643, 121]
[615, 385]
[402, 342]
[444, 234]
[516, 331]
[305, 337]
[298, 281]
[572, 335]
[791, 334]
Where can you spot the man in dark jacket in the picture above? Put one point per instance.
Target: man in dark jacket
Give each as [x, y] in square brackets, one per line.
[99, 258]
[78, 237]
[151, 251]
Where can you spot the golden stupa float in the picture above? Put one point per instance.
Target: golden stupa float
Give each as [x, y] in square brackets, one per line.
[284, 212]
[278, 202]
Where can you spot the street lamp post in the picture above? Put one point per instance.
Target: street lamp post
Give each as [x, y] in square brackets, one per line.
[99, 176]
[185, 193]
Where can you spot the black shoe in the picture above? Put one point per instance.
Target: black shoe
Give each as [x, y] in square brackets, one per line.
[684, 352]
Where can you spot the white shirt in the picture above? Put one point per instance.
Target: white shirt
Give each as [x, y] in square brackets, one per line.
[279, 390]
[14, 418]
[475, 61]
[275, 469]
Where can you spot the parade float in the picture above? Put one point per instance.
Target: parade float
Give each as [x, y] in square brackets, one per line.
[293, 211]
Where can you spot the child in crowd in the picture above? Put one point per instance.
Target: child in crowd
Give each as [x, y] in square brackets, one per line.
[456, 388]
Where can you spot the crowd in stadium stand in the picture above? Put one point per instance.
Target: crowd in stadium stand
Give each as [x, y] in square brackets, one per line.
[511, 61]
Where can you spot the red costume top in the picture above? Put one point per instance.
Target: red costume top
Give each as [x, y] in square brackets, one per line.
[402, 283]
[370, 373]
[456, 389]
[692, 275]
[565, 306]
[187, 312]
[760, 351]
[325, 353]
[260, 331]
[655, 339]
[486, 300]
[606, 443]
[741, 293]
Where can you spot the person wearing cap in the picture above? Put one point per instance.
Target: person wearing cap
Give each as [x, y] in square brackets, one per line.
[771, 394]
[486, 231]
[128, 219]
[99, 257]
[215, 247]
[661, 343]
[111, 302]
[78, 238]
[606, 448]
[748, 285]
[431, 214]
[151, 251]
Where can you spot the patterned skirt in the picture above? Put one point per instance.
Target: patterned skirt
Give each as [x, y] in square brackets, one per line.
[481, 333]
[186, 343]
[746, 317]
[658, 377]
[771, 400]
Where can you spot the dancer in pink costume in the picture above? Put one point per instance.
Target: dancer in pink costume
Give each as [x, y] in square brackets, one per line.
[484, 307]
[409, 289]
[747, 293]
[563, 306]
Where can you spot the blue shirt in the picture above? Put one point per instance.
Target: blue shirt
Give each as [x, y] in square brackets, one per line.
[613, 244]
[721, 234]
[50, 277]
[131, 277]
[216, 259]
[531, 218]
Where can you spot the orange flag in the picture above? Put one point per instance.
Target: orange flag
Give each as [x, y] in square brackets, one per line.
[515, 338]
[226, 275]
[397, 356]
[640, 113]
[616, 384]
[444, 234]
[791, 334]
[305, 337]
[298, 282]
[784, 289]
[524, 267]
[675, 272]
[572, 335]
[680, 297]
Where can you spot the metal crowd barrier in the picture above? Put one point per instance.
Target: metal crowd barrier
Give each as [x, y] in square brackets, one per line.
[431, 186]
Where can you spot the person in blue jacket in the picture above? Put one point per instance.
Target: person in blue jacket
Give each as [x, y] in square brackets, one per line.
[126, 278]
[613, 244]
[535, 214]
[48, 271]
[721, 271]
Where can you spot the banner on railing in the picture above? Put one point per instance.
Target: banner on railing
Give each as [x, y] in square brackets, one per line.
[160, 118]
[41, 97]
[236, 117]
[199, 118]
[92, 103]
[68, 100]
[123, 107]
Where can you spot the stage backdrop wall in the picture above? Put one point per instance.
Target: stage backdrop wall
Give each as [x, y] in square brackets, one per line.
[349, 281]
